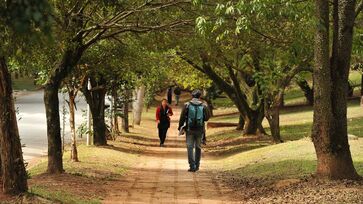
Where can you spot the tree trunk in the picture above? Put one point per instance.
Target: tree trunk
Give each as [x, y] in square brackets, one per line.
[361, 85]
[74, 154]
[125, 115]
[252, 123]
[97, 107]
[116, 104]
[69, 60]
[273, 119]
[96, 101]
[210, 106]
[138, 104]
[14, 176]
[308, 92]
[241, 122]
[272, 113]
[329, 132]
[51, 101]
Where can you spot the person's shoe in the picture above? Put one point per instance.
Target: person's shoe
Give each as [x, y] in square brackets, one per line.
[197, 168]
[191, 169]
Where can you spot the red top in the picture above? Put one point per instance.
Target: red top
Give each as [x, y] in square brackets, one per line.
[158, 112]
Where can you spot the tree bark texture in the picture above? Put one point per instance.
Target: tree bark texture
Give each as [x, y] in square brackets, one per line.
[14, 176]
[329, 132]
[138, 104]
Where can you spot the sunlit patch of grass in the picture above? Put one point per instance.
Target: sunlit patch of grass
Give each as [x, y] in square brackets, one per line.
[223, 102]
[294, 96]
[287, 160]
[355, 77]
[60, 196]
[278, 170]
[355, 126]
[97, 165]
[94, 162]
[224, 135]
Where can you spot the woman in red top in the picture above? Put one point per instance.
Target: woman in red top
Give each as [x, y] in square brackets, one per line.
[163, 113]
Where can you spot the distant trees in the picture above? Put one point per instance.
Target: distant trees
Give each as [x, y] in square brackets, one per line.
[79, 24]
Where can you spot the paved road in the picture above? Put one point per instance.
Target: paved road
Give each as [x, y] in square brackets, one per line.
[32, 123]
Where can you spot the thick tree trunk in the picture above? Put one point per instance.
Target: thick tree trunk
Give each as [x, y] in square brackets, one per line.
[308, 92]
[74, 154]
[330, 91]
[96, 101]
[13, 171]
[361, 85]
[69, 60]
[51, 101]
[252, 123]
[138, 104]
[98, 117]
[125, 115]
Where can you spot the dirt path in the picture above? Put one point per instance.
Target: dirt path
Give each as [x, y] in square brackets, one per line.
[161, 177]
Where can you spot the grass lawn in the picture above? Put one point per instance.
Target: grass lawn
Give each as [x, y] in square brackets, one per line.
[97, 166]
[22, 84]
[296, 123]
[293, 159]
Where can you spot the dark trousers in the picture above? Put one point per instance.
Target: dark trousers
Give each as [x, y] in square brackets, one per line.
[170, 99]
[194, 147]
[162, 134]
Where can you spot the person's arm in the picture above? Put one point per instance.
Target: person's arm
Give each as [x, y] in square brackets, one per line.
[182, 118]
[171, 112]
[158, 115]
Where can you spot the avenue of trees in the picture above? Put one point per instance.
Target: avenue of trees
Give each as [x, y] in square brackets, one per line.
[252, 51]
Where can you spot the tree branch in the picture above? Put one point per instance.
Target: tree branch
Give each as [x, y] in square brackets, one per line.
[190, 62]
[359, 8]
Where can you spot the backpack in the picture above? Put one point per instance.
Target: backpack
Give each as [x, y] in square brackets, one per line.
[195, 116]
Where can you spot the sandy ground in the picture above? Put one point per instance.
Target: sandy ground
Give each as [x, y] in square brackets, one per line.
[161, 176]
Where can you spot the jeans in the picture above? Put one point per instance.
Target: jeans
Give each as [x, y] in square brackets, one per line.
[194, 140]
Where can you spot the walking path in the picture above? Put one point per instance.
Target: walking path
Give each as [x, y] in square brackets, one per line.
[161, 177]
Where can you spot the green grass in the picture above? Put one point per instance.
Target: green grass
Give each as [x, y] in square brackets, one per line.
[223, 103]
[355, 78]
[60, 196]
[224, 135]
[21, 84]
[287, 160]
[97, 164]
[294, 96]
[296, 123]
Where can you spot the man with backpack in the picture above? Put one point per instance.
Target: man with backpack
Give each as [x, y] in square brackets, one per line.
[192, 118]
